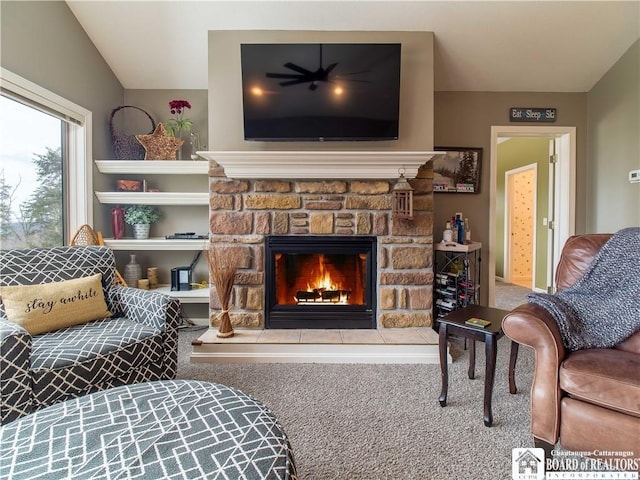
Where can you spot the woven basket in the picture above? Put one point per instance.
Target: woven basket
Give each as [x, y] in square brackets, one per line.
[86, 235]
[127, 147]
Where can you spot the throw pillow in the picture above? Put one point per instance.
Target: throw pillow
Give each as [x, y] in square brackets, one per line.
[52, 306]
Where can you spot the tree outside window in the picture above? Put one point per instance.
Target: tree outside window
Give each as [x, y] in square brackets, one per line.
[31, 177]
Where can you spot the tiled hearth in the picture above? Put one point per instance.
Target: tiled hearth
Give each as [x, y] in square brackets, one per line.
[387, 345]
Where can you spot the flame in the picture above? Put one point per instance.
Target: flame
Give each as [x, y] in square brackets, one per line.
[323, 280]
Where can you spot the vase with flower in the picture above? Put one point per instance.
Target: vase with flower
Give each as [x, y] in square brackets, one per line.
[178, 125]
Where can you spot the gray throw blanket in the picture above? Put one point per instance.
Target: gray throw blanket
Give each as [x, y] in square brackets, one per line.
[603, 307]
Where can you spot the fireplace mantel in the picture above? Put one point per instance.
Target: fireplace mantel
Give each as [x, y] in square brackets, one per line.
[319, 164]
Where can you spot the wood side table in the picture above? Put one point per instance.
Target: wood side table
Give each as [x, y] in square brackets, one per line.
[454, 324]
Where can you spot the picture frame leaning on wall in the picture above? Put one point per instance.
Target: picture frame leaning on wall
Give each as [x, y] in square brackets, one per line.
[457, 170]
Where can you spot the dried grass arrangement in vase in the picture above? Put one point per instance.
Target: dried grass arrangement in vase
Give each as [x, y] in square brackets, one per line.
[223, 264]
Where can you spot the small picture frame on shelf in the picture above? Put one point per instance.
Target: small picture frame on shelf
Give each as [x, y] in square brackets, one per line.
[457, 170]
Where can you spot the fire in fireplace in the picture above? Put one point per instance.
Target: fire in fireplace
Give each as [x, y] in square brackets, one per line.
[320, 282]
[320, 278]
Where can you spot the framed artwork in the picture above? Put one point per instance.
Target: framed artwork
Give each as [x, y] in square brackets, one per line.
[457, 170]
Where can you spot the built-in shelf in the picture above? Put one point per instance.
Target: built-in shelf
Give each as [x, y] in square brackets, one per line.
[197, 295]
[151, 167]
[154, 198]
[155, 244]
[319, 164]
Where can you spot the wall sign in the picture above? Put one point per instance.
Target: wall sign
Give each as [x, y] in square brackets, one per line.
[524, 114]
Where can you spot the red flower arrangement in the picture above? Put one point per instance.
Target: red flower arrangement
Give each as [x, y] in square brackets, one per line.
[177, 125]
[176, 106]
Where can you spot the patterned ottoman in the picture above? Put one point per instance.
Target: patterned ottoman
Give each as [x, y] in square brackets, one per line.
[177, 429]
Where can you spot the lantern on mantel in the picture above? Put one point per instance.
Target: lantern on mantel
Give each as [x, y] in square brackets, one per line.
[402, 198]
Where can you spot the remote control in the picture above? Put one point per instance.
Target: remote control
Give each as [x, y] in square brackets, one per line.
[187, 236]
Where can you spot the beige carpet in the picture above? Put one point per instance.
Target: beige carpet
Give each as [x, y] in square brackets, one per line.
[379, 422]
[508, 295]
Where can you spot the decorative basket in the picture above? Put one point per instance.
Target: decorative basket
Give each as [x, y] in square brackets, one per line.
[126, 147]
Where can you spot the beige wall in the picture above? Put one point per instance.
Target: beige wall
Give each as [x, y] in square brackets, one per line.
[464, 119]
[44, 43]
[225, 94]
[156, 104]
[614, 146]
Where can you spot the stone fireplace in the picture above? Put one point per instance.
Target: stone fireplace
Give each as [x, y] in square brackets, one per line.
[252, 209]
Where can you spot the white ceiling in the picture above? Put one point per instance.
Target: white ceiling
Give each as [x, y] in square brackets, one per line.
[528, 46]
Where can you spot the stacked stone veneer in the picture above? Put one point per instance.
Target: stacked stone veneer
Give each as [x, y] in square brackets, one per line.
[244, 212]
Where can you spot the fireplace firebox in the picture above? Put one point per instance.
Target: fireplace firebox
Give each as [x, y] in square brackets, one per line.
[320, 282]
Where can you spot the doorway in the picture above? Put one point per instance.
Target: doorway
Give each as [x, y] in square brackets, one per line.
[520, 225]
[559, 222]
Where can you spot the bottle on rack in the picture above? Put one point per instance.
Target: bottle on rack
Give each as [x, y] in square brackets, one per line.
[460, 225]
[467, 231]
[454, 229]
[447, 235]
[457, 267]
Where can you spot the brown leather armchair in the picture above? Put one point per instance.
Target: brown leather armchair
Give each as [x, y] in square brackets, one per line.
[587, 399]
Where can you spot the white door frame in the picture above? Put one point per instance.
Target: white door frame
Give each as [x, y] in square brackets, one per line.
[565, 187]
[508, 226]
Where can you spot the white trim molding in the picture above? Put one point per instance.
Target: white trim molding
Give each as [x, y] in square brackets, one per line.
[153, 167]
[319, 164]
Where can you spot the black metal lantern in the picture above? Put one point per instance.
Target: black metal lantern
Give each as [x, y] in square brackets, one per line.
[402, 198]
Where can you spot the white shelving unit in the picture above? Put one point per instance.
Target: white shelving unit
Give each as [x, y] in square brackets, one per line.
[155, 244]
[155, 167]
[149, 167]
[198, 295]
[158, 167]
[154, 198]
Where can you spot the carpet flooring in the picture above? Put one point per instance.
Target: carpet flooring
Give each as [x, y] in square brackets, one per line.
[508, 295]
[379, 422]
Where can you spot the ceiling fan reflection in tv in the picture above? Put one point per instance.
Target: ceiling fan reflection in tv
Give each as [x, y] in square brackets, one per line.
[304, 75]
[283, 98]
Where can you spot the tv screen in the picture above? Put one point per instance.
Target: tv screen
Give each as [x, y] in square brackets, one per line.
[320, 92]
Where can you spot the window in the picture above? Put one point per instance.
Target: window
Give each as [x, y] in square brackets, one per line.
[45, 175]
[31, 176]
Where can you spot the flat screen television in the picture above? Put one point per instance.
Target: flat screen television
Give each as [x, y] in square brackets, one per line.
[320, 92]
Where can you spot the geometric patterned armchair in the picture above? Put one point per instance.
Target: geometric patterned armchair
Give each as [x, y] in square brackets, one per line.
[138, 343]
